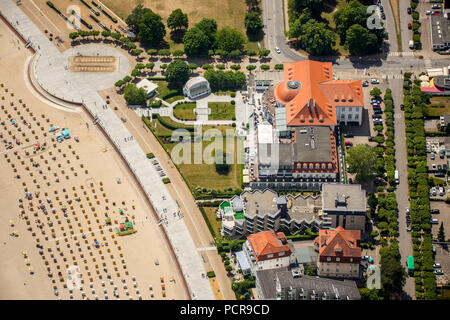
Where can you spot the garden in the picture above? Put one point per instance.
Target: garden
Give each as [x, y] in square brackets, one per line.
[222, 111]
[185, 111]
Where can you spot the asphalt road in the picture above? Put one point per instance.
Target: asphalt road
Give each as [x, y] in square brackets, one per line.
[401, 192]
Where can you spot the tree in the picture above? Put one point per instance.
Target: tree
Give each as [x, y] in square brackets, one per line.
[251, 67]
[228, 39]
[252, 4]
[196, 42]
[353, 13]
[150, 65]
[375, 92]
[192, 66]
[177, 20]
[135, 16]
[134, 95]
[392, 271]
[441, 234]
[317, 39]
[295, 27]
[106, 33]
[228, 268]
[309, 271]
[361, 160]
[177, 73]
[315, 6]
[137, 52]
[178, 53]
[209, 28]
[152, 52]
[253, 22]
[164, 52]
[370, 294]
[151, 29]
[360, 41]
[264, 53]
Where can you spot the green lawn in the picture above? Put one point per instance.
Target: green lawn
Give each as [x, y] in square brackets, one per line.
[439, 106]
[211, 215]
[185, 111]
[221, 111]
[204, 175]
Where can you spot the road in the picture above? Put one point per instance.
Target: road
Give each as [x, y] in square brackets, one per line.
[383, 64]
[401, 192]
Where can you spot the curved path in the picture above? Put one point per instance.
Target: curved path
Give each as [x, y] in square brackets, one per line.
[71, 89]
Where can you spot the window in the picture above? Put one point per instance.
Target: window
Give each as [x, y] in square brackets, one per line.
[328, 258]
[270, 256]
[338, 259]
[351, 259]
[281, 253]
[349, 116]
[356, 116]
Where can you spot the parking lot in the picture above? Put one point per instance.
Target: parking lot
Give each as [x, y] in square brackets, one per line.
[443, 216]
[443, 257]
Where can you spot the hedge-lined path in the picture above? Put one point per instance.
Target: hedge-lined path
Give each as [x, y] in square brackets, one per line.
[402, 192]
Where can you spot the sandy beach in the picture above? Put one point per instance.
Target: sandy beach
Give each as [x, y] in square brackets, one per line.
[71, 188]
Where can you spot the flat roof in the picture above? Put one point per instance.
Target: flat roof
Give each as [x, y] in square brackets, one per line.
[259, 202]
[148, 85]
[242, 260]
[439, 29]
[343, 197]
[312, 144]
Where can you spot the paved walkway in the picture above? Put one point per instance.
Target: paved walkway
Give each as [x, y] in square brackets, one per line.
[167, 210]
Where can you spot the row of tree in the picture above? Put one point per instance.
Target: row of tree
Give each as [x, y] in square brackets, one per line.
[225, 80]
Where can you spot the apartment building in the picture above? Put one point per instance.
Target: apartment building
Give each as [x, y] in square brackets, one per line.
[339, 253]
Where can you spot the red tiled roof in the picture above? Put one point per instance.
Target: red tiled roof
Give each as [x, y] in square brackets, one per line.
[316, 101]
[268, 242]
[339, 243]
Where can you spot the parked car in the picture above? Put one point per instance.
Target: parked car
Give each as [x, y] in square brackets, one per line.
[381, 9]
[428, 12]
[374, 81]
[436, 6]
[436, 13]
[348, 135]
[433, 166]
[350, 180]
[433, 191]
[378, 123]
[365, 83]
[348, 144]
[375, 101]
[438, 272]
[409, 10]
[434, 221]
[441, 191]
[439, 167]
[435, 211]
[441, 154]
[439, 174]
[407, 211]
[402, 107]
[444, 166]
[436, 265]
[376, 116]
[383, 16]
[377, 111]
[409, 26]
[432, 156]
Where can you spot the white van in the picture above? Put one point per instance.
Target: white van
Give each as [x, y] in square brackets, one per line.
[397, 181]
[411, 44]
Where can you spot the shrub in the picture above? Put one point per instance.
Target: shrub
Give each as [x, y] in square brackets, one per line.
[207, 66]
[233, 94]
[233, 102]
[279, 66]
[220, 66]
[265, 67]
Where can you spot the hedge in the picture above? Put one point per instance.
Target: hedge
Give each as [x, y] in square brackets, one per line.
[171, 93]
[211, 229]
[172, 126]
[157, 78]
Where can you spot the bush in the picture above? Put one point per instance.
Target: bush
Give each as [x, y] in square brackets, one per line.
[220, 66]
[233, 102]
[207, 66]
[233, 94]
[279, 66]
[265, 67]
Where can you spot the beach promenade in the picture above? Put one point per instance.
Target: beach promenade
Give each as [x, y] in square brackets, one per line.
[52, 75]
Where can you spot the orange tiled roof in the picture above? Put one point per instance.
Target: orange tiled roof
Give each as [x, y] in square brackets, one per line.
[268, 242]
[339, 242]
[316, 101]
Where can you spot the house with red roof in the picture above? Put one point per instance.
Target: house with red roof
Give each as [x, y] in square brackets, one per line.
[339, 253]
[268, 250]
[311, 97]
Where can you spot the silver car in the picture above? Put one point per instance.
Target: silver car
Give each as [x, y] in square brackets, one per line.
[277, 50]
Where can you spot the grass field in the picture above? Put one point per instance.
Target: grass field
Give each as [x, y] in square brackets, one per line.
[439, 106]
[204, 175]
[226, 12]
[211, 215]
[221, 111]
[185, 111]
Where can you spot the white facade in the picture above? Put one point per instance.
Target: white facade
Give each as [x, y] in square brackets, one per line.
[196, 87]
[265, 264]
[349, 114]
[148, 86]
[338, 270]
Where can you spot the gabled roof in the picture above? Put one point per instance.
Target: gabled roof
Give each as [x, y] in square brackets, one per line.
[339, 243]
[314, 99]
[268, 242]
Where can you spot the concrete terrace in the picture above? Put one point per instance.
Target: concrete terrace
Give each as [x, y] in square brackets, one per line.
[74, 88]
